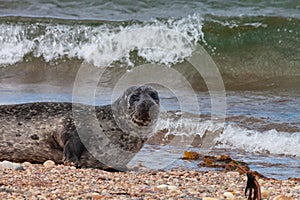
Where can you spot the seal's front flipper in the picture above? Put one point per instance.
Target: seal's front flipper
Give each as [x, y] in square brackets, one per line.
[72, 151]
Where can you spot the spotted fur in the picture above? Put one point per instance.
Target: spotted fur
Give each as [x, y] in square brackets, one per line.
[76, 133]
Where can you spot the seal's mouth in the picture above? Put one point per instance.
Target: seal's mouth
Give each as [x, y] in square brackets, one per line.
[141, 122]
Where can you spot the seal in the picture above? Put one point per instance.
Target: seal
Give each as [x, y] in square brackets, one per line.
[105, 137]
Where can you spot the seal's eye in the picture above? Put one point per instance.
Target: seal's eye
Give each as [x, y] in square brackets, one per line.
[134, 97]
[154, 96]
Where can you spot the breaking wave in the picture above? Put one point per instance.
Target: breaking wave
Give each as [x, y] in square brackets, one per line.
[234, 137]
[165, 42]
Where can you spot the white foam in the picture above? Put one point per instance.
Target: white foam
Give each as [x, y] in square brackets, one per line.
[271, 141]
[187, 126]
[165, 42]
[233, 136]
[234, 24]
[14, 44]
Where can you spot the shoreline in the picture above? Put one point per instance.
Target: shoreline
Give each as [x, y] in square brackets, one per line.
[39, 181]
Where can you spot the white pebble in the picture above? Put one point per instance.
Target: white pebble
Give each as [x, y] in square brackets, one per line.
[171, 187]
[10, 165]
[49, 163]
[233, 174]
[27, 163]
[229, 195]
[162, 187]
[104, 192]
[209, 198]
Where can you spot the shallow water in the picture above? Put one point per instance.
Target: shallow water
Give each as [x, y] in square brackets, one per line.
[273, 166]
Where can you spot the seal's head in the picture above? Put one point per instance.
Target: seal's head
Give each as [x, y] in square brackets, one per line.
[139, 105]
[143, 105]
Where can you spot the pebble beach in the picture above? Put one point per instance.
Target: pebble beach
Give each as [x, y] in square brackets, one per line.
[50, 181]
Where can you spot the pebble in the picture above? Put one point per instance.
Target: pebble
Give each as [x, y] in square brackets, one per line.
[297, 187]
[10, 165]
[209, 198]
[233, 174]
[175, 192]
[265, 194]
[271, 189]
[96, 195]
[162, 187]
[105, 192]
[229, 195]
[49, 163]
[42, 197]
[27, 163]
[283, 197]
[171, 187]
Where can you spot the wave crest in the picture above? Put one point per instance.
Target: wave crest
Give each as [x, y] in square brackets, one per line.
[270, 141]
[165, 42]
